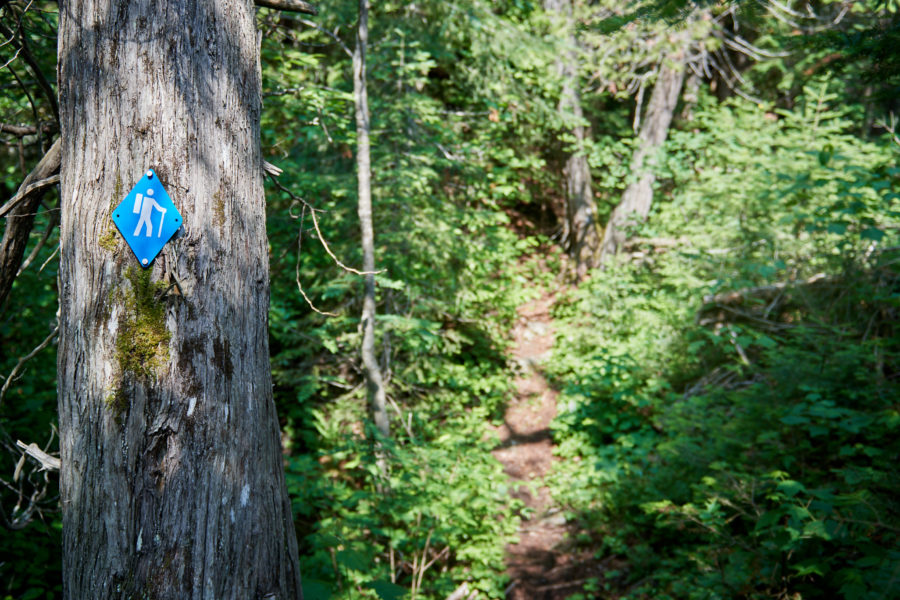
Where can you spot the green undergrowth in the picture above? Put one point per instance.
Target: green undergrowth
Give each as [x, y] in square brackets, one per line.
[728, 417]
[447, 292]
[761, 479]
[440, 517]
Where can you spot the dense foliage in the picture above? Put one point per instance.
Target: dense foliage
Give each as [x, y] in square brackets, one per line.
[744, 444]
[728, 422]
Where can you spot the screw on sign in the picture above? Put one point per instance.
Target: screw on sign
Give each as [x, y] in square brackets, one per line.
[147, 218]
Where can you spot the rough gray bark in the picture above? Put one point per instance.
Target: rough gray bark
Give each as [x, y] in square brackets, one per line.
[374, 379]
[19, 213]
[172, 482]
[638, 196]
[580, 229]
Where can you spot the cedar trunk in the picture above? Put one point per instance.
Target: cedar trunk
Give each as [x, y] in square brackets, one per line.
[172, 481]
[638, 197]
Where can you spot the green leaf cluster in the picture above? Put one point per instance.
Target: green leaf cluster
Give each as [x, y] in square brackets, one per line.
[728, 417]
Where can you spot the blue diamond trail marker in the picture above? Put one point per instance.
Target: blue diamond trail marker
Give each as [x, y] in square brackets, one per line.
[147, 218]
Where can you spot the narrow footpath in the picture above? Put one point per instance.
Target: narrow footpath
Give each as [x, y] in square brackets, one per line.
[539, 565]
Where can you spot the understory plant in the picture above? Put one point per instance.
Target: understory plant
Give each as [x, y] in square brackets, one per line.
[728, 415]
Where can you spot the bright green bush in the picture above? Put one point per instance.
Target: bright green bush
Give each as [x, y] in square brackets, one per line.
[744, 450]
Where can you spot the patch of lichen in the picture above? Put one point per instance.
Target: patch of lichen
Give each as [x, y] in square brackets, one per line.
[142, 346]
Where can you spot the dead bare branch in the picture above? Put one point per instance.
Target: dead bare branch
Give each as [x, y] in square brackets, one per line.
[51, 226]
[289, 6]
[27, 190]
[763, 292]
[332, 35]
[297, 270]
[889, 124]
[20, 220]
[312, 212]
[28, 57]
[47, 462]
[25, 359]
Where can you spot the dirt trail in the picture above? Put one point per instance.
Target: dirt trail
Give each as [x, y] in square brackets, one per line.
[540, 566]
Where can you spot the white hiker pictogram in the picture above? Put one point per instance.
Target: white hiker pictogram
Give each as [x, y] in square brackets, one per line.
[145, 205]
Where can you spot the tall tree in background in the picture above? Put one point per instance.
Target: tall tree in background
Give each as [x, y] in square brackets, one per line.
[374, 379]
[172, 481]
[581, 227]
[710, 43]
[638, 197]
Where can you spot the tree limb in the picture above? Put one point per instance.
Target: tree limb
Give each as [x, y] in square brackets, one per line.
[23, 130]
[312, 212]
[763, 292]
[54, 221]
[19, 213]
[46, 88]
[25, 192]
[25, 359]
[333, 36]
[289, 6]
[48, 463]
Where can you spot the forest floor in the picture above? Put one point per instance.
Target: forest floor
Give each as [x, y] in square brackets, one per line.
[543, 564]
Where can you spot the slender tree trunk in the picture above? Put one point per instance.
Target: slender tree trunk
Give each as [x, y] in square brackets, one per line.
[638, 196]
[374, 380]
[582, 235]
[172, 482]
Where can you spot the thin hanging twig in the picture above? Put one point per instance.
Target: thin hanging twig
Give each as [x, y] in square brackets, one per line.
[49, 258]
[333, 36]
[24, 359]
[312, 212]
[54, 221]
[297, 268]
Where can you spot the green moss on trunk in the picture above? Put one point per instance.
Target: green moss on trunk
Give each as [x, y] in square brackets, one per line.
[142, 346]
[109, 240]
[219, 208]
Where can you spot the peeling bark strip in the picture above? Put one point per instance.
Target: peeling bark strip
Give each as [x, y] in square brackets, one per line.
[172, 482]
[638, 196]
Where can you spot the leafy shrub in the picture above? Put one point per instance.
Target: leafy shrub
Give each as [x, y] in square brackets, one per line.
[744, 446]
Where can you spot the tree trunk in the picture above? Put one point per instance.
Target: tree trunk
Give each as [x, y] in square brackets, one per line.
[374, 380]
[172, 482]
[638, 196]
[582, 235]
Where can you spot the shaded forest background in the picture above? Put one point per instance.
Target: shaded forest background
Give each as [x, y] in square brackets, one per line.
[728, 421]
